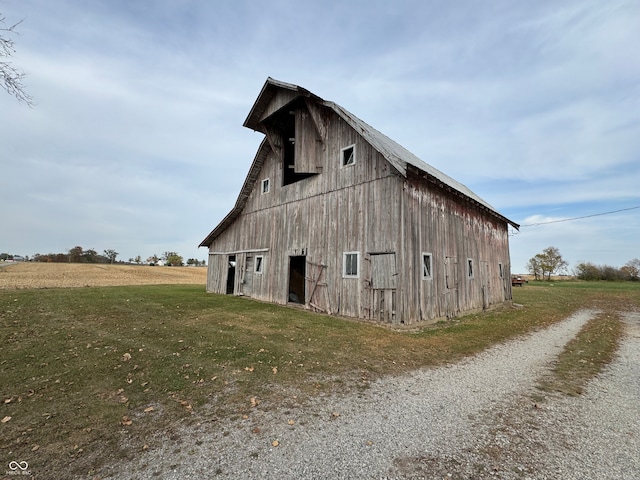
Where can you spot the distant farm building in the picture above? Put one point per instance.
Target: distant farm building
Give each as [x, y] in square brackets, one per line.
[336, 216]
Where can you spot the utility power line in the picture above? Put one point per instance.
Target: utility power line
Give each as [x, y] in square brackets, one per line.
[580, 218]
[576, 218]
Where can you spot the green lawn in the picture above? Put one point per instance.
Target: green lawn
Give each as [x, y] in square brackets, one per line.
[83, 369]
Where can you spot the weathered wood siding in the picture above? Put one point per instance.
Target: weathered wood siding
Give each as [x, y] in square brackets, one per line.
[454, 232]
[345, 209]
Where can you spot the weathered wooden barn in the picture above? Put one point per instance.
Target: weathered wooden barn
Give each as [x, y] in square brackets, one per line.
[336, 216]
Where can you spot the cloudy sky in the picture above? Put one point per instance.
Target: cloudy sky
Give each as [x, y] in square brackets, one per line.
[136, 140]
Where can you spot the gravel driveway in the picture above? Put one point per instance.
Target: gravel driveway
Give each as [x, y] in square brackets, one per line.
[473, 419]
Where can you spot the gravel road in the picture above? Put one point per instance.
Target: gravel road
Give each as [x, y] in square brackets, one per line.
[473, 419]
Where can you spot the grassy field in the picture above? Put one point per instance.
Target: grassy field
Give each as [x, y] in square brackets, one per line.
[92, 375]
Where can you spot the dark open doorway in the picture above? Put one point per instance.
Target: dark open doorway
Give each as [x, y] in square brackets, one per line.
[231, 274]
[297, 273]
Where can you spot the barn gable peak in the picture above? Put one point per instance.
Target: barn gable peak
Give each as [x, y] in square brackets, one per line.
[275, 95]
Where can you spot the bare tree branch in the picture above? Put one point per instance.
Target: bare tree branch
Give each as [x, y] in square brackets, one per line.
[11, 77]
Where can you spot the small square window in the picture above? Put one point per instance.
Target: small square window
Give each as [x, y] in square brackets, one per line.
[350, 261]
[348, 156]
[469, 268]
[265, 185]
[426, 265]
[259, 264]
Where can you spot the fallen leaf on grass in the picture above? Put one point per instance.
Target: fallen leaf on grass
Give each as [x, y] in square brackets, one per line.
[275, 443]
[148, 409]
[126, 357]
[126, 421]
[291, 422]
[274, 370]
[6, 419]
[249, 369]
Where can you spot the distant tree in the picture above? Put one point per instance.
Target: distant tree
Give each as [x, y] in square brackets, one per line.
[11, 77]
[631, 270]
[587, 271]
[138, 259]
[547, 263]
[75, 254]
[172, 259]
[533, 267]
[90, 256]
[111, 255]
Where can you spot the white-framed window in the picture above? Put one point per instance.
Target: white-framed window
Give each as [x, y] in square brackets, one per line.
[469, 268]
[265, 186]
[348, 156]
[427, 266]
[351, 264]
[259, 268]
[501, 270]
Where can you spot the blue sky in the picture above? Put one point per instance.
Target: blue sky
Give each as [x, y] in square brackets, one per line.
[136, 140]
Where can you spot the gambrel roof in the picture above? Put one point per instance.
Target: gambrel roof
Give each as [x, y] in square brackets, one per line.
[398, 156]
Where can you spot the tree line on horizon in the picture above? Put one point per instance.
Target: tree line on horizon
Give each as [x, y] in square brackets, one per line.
[78, 254]
[550, 262]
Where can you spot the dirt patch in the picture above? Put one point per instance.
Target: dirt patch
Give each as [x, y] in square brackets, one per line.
[73, 275]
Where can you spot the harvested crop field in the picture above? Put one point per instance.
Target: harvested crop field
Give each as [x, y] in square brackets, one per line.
[72, 275]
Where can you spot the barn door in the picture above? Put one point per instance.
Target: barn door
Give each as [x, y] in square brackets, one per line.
[451, 286]
[231, 274]
[316, 284]
[240, 273]
[485, 284]
[297, 282]
[383, 287]
[305, 144]
[247, 285]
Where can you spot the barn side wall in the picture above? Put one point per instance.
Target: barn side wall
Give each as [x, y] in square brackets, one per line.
[454, 233]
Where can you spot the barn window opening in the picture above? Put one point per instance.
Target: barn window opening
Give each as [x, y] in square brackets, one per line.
[349, 156]
[265, 185]
[350, 262]
[469, 268]
[426, 265]
[259, 264]
[500, 270]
